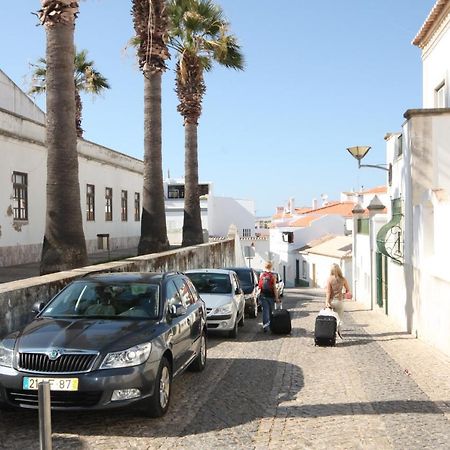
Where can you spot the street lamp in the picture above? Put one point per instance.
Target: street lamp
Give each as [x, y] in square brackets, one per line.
[360, 151]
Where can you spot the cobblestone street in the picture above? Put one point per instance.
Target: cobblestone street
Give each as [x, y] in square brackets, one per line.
[379, 388]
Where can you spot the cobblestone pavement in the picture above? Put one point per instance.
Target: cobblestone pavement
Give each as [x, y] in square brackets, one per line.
[379, 388]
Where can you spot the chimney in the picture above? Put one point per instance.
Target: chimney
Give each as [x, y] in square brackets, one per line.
[291, 205]
[314, 203]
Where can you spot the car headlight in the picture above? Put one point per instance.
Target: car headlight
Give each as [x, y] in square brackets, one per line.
[224, 309]
[131, 357]
[6, 356]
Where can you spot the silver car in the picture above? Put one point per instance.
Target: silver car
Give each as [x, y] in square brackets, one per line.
[223, 296]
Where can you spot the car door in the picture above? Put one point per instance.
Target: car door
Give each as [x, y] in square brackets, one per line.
[192, 314]
[180, 328]
[239, 299]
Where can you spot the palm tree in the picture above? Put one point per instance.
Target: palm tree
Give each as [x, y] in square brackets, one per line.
[64, 246]
[86, 79]
[150, 25]
[199, 34]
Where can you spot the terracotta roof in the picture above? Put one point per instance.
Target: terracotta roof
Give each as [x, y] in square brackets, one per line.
[433, 20]
[377, 189]
[315, 242]
[337, 247]
[282, 216]
[333, 208]
[302, 210]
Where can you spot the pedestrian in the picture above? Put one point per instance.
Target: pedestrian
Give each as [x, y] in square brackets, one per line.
[336, 285]
[268, 294]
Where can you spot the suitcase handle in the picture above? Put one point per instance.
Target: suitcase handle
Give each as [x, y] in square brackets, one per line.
[278, 305]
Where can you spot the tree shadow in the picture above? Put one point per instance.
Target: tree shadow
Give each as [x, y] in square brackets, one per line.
[241, 394]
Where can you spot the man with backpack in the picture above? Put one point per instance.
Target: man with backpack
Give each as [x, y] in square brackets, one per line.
[268, 294]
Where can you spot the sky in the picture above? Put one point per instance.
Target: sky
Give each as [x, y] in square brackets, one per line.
[320, 76]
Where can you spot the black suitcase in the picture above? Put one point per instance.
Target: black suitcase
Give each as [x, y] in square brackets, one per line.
[325, 331]
[280, 322]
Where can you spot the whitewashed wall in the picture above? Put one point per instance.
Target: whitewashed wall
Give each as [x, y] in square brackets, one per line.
[229, 211]
[14, 100]
[285, 254]
[436, 64]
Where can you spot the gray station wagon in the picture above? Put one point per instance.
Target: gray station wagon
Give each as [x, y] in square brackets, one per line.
[105, 341]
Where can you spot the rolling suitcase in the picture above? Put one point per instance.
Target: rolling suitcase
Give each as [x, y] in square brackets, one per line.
[325, 330]
[280, 322]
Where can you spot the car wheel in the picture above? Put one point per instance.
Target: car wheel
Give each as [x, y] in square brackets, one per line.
[199, 362]
[158, 403]
[234, 332]
[241, 323]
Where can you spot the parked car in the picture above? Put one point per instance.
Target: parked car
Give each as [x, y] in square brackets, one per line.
[249, 283]
[105, 341]
[280, 284]
[223, 296]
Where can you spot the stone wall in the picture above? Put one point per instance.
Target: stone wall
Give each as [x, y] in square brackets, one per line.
[18, 297]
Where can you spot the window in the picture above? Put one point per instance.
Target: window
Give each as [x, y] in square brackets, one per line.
[439, 96]
[137, 206]
[362, 226]
[124, 206]
[186, 295]
[399, 146]
[246, 232]
[172, 294]
[176, 191]
[288, 236]
[90, 202]
[304, 270]
[20, 199]
[108, 204]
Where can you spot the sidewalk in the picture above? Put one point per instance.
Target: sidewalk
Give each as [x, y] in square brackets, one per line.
[379, 388]
[21, 271]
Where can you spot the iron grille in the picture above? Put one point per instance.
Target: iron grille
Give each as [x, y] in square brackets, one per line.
[66, 363]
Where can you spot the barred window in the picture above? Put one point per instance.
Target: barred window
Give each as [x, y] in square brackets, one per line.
[20, 199]
[90, 202]
[124, 206]
[108, 204]
[246, 232]
[137, 206]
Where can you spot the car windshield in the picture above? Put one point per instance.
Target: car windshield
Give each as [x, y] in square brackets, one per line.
[84, 299]
[210, 282]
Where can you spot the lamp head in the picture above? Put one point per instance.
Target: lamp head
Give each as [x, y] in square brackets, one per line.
[359, 152]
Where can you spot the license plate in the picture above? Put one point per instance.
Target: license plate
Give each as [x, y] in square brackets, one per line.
[56, 384]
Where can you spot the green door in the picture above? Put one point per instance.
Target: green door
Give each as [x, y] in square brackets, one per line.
[382, 282]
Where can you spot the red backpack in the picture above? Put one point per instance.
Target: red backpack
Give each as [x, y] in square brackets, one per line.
[267, 284]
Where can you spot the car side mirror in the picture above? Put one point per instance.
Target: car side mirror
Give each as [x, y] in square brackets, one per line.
[238, 291]
[177, 310]
[38, 307]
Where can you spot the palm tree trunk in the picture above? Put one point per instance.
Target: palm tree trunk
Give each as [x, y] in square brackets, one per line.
[153, 223]
[64, 246]
[192, 225]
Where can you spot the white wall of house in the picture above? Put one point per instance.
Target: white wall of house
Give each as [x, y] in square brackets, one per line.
[12, 99]
[284, 254]
[320, 265]
[436, 64]
[227, 211]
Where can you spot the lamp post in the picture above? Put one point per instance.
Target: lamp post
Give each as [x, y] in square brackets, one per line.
[358, 152]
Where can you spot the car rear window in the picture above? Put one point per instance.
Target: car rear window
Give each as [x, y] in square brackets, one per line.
[244, 275]
[210, 282]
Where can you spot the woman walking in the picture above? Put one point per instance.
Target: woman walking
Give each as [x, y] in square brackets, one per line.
[336, 284]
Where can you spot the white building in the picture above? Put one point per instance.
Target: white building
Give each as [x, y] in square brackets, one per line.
[411, 270]
[110, 190]
[295, 228]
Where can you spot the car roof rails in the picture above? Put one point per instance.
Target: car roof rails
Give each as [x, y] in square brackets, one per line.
[171, 273]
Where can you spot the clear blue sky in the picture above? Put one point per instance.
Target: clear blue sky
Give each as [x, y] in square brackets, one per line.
[320, 76]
